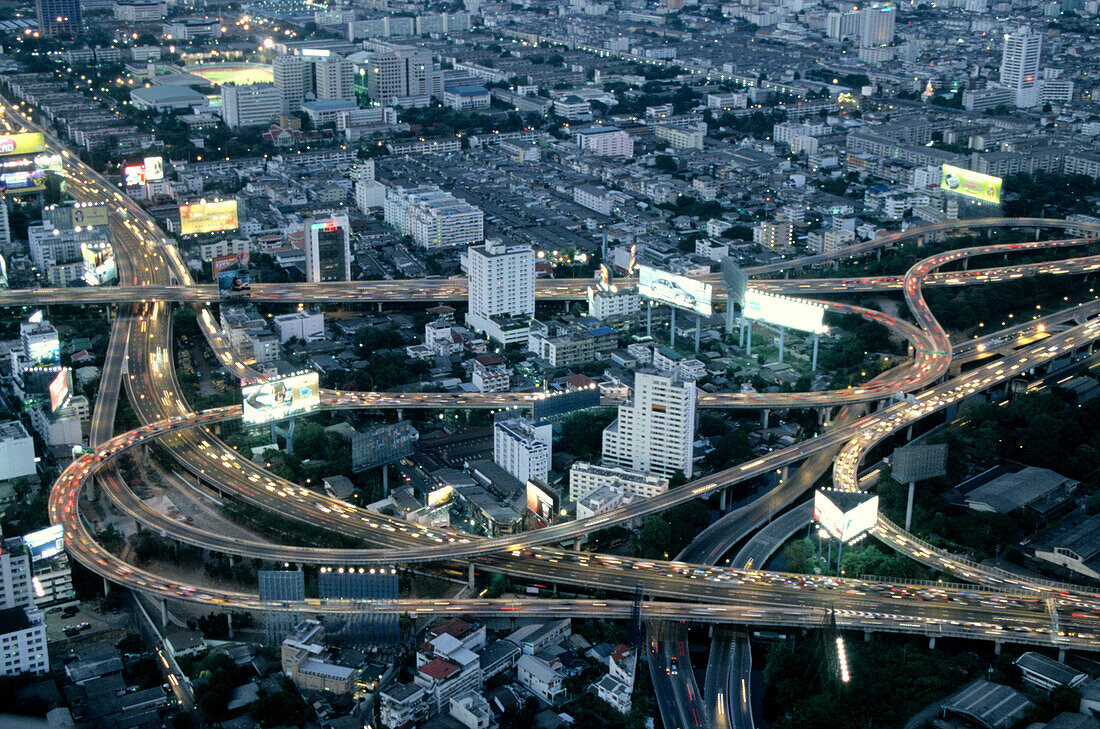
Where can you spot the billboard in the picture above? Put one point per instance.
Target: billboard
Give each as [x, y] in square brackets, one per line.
[280, 398]
[25, 143]
[208, 217]
[234, 283]
[971, 184]
[782, 311]
[44, 349]
[918, 462]
[541, 501]
[23, 181]
[150, 169]
[679, 291]
[232, 261]
[99, 263]
[59, 390]
[845, 515]
[80, 215]
[45, 543]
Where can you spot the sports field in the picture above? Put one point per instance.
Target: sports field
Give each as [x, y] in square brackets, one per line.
[242, 76]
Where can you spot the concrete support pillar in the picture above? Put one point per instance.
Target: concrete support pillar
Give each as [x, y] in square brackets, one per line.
[782, 336]
[106, 586]
[232, 560]
[1061, 655]
[379, 307]
[470, 576]
[748, 349]
[145, 456]
[722, 500]
[698, 326]
[764, 416]
[385, 481]
[909, 506]
[229, 624]
[997, 647]
[784, 474]
[813, 362]
[866, 636]
[931, 642]
[672, 327]
[400, 413]
[729, 317]
[164, 613]
[909, 432]
[649, 319]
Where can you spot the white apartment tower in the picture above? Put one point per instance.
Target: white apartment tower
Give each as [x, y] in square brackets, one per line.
[328, 248]
[1020, 66]
[334, 79]
[291, 75]
[501, 284]
[249, 106]
[523, 448]
[22, 627]
[876, 25]
[655, 430]
[402, 71]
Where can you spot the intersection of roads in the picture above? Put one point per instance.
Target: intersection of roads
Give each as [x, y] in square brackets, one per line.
[691, 589]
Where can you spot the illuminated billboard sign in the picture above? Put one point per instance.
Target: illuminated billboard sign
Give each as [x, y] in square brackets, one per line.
[23, 181]
[99, 263]
[133, 175]
[541, 501]
[678, 291]
[208, 217]
[150, 169]
[971, 184]
[234, 283]
[782, 311]
[25, 143]
[80, 215]
[845, 515]
[59, 390]
[440, 496]
[232, 261]
[280, 398]
[45, 543]
[154, 169]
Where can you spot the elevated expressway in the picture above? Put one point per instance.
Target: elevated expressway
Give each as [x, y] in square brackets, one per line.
[780, 600]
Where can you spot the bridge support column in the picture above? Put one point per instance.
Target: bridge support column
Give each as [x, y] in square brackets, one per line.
[470, 576]
[400, 413]
[909, 506]
[748, 340]
[164, 613]
[784, 474]
[672, 327]
[106, 586]
[782, 336]
[909, 432]
[649, 319]
[229, 624]
[813, 362]
[232, 560]
[1061, 655]
[722, 501]
[764, 416]
[379, 307]
[866, 636]
[997, 647]
[931, 642]
[145, 456]
[385, 480]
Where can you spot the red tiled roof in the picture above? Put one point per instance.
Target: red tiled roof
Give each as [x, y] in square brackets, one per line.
[579, 381]
[489, 359]
[455, 627]
[439, 669]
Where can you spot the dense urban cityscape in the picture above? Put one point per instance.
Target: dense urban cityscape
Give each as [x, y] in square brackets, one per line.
[599, 364]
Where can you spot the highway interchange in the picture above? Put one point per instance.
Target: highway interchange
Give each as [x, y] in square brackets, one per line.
[140, 358]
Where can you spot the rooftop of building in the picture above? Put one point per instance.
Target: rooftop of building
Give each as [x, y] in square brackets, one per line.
[990, 705]
[439, 669]
[329, 105]
[1049, 669]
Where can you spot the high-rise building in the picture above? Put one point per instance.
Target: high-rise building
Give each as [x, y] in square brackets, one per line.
[59, 17]
[328, 249]
[249, 106]
[876, 25]
[1020, 66]
[402, 71]
[292, 78]
[842, 24]
[16, 451]
[41, 344]
[654, 432]
[522, 448]
[501, 286]
[434, 218]
[333, 79]
[22, 626]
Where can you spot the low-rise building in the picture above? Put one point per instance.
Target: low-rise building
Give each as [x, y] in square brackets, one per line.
[490, 374]
[305, 661]
[541, 679]
[584, 478]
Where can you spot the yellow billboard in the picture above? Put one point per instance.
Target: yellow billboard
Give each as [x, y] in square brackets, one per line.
[25, 143]
[972, 184]
[208, 217]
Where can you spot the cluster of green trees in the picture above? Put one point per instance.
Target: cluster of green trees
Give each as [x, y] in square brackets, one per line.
[890, 681]
[582, 433]
[1048, 195]
[214, 676]
[669, 533]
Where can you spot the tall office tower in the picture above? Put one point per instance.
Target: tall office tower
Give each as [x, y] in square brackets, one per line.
[334, 78]
[655, 430]
[523, 448]
[876, 25]
[249, 106]
[402, 71]
[292, 76]
[281, 586]
[59, 17]
[328, 249]
[842, 24]
[1020, 66]
[373, 622]
[22, 626]
[501, 287]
